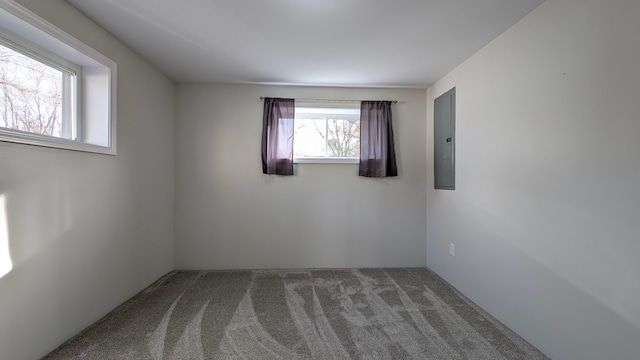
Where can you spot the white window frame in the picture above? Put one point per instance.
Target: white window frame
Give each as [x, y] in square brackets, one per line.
[324, 159]
[71, 85]
[93, 91]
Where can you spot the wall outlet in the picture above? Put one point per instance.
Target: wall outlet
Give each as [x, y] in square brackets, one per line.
[452, 249]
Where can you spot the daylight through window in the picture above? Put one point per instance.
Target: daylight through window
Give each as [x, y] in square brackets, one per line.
[325, 134]
[35, 97]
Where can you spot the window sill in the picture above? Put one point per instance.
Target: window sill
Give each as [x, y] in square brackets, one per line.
[324, 160]
[20, 137]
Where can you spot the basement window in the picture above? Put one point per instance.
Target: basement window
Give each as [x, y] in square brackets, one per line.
[326, 134]
[55, 91]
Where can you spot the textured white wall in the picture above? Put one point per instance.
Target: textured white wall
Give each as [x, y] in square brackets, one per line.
[546, 207]
[229, 215]
[86, 231]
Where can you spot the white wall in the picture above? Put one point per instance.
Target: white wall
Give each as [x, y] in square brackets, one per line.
[545, 215]
[231, 216]
[86, 231]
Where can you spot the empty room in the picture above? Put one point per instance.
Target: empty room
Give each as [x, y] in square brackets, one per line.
[320, 179]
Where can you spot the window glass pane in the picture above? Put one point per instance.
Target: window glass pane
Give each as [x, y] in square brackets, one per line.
[325, 132]
[343, 137]
[30, 94]
[309, 138]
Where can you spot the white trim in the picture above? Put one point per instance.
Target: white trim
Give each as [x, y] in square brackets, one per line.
[326, 160]
[36, 21]
[38, 53]
[113, 130]
[22, 137]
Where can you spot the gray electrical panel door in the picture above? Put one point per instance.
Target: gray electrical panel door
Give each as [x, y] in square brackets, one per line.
[444, 140]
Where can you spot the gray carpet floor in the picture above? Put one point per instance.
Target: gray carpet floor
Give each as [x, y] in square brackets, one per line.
[298, 314]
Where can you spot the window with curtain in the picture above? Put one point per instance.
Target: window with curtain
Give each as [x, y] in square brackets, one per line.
[377, 151]
[375, 146]
[277, 136]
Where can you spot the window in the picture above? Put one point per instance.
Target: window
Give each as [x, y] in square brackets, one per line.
[36, 96]
[326, 134]
[54, 90]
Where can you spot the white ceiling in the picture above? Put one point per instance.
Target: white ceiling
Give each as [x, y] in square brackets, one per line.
[404, 43]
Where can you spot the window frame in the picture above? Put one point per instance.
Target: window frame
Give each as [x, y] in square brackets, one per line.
[93, 89]
[71, 89]
[325, 159]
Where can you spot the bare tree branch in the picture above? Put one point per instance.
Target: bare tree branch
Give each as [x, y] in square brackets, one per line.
[30, 94]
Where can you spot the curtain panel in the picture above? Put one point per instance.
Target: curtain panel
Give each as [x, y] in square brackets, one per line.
[377, 151]
[277, 136]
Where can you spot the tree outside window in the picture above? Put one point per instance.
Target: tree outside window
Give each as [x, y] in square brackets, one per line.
[30, 94]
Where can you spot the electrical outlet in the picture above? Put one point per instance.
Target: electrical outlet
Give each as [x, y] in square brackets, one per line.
[452, 249]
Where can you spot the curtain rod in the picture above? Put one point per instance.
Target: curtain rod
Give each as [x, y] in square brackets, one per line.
[331, 100]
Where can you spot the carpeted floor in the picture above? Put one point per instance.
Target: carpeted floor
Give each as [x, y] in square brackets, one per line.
[298, 314]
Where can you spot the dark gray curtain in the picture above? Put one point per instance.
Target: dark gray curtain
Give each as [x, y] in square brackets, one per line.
[377, 153]
[277, 136]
